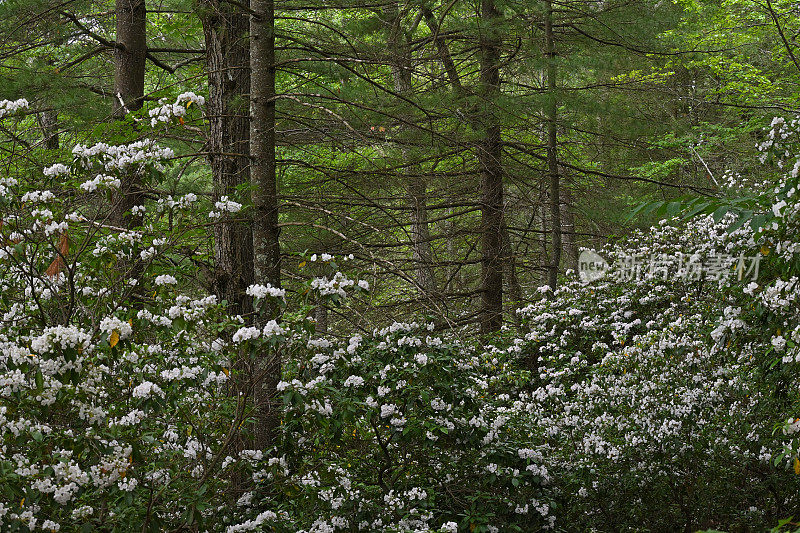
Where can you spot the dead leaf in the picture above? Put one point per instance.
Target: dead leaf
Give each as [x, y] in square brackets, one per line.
[58, 263]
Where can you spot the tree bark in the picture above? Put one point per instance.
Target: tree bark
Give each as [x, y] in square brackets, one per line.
[48, 123]
[552, 149]
[129, 56]
[266, 246]
[568, 229]
[420, 234]
[129, 69]
[320, 318]
[514, 287]
[225, 30]
[489, 159]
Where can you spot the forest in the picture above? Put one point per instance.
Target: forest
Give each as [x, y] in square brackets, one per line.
[444, 266]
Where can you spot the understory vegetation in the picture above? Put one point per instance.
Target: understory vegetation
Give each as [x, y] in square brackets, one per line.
[655, 403]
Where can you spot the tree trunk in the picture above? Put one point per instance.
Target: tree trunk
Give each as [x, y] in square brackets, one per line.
[267, 257]
[420, 233]
[400, 53]
[444, 51]
[552, 149]
[320, 318]
[568, 230]
[129, 56]
[48, 123]
[225, 29]
[489, 154]
[129, 68]
[510, 263]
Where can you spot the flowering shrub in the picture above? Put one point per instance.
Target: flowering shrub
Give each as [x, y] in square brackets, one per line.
[654, 403]
[404, 430]
[656, 391]
[106, 380]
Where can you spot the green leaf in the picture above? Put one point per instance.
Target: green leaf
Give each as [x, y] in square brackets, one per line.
[701, 208]
[673, 208]
[744, 217]
[720, 212]
[643, 209]
[757, 222]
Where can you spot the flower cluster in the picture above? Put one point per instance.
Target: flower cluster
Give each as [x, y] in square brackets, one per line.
[225, 205]
[8, 107]
[165, 112]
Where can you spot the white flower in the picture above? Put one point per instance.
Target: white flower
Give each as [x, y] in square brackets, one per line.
[225, 205]
[354, 343]
[246, 333]
[111, 323]
[8, 107]
[147, 389]
[779, 343]
[62, 337]
[273, 328]
[127, 484]
[37, 196]
[104, 180]
[449, 527]
[776, 208]
[262, 291]
[49, 525]
[354, 381]
[438, 404]
[792, 426]
[56, 170]
[166, 279]
[82, 512]
[190, 97]
[166, 111]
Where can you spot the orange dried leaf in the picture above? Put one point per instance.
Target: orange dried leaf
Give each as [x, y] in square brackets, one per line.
[58, 264]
